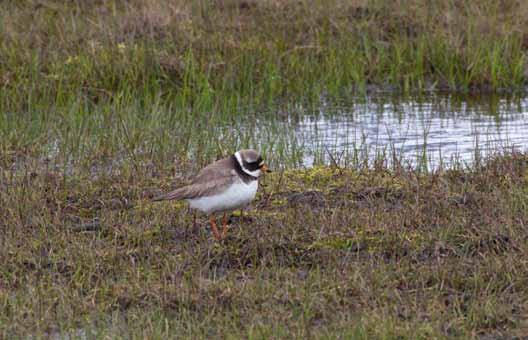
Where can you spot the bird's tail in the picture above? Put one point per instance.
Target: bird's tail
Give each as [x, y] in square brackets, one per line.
[173, 195]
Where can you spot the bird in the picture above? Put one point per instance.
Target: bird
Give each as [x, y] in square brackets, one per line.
[228, 184]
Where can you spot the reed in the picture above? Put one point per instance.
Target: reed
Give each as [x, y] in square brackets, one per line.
[233, 52]
[118, 74]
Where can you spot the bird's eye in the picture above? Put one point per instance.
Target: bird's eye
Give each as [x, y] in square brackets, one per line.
[252, 166]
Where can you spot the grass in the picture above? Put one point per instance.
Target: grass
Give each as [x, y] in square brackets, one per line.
[219, 55]
[360, 253]
[122, 79]
[104, 104]
[65, 60]
[126, 77]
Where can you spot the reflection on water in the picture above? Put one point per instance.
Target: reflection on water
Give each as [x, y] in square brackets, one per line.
[427, 130]
[447, 128]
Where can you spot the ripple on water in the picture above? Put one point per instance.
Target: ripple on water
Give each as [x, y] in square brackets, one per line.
[445, 128]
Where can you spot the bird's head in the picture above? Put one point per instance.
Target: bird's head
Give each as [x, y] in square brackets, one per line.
[251, 162]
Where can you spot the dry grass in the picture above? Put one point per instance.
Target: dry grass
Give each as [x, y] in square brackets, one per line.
[327, 252]
[256, 51]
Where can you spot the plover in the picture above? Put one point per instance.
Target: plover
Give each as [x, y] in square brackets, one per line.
[228, 184]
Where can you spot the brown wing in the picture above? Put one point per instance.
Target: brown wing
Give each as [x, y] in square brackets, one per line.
[213, 178]
[219, 170]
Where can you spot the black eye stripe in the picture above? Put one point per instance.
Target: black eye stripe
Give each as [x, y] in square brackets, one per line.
[252, 166]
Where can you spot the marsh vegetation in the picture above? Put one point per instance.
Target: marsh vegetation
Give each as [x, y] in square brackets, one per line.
[105, 104]
[324, 252]
[124, 77]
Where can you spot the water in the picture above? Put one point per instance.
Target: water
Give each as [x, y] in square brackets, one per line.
[425, 131]
[431, 131]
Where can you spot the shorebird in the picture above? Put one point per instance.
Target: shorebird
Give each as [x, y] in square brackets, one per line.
[228, 184]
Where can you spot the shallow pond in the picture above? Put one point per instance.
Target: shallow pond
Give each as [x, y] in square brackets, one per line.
[427, 131]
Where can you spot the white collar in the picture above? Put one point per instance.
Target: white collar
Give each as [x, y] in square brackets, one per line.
[255, 173]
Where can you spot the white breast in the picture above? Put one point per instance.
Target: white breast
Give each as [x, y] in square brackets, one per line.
[238, 195]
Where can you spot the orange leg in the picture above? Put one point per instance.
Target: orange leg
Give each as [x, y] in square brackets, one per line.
[213, 226]
[224, 224]
[195, 225]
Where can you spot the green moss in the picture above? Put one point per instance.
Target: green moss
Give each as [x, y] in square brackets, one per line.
[336, 243]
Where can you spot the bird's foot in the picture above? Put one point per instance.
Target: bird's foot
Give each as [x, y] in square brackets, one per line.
[224, 226]
[240, 219]
[225, 230]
